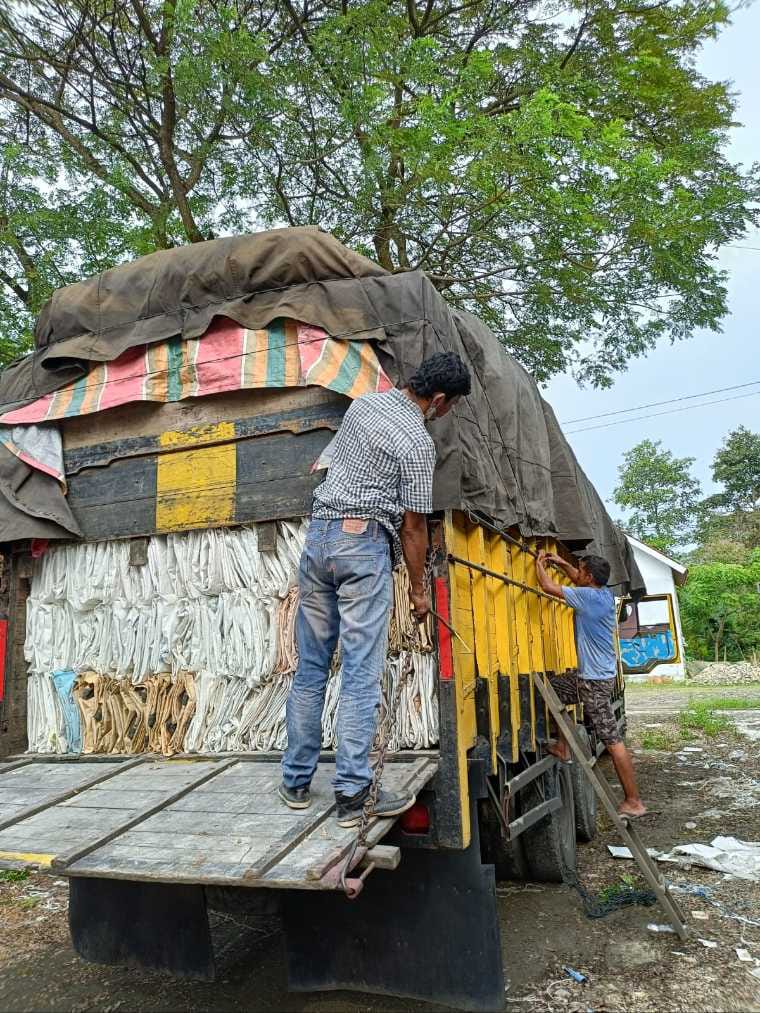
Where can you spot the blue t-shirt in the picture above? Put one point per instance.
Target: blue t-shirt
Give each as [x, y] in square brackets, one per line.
[594, 630]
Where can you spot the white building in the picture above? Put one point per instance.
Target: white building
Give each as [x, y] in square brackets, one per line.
[651, 640]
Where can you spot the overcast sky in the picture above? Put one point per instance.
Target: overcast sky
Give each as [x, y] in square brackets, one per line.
[707, 361]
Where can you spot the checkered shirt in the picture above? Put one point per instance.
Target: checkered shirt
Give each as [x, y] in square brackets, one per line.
[382, 465]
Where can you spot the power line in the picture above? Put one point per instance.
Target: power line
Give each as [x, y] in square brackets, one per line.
[671, 411]
[658, 404]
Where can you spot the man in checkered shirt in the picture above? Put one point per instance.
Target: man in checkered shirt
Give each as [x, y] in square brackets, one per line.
[369, 513]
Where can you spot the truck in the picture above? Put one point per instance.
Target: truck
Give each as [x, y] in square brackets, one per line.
[158, 453]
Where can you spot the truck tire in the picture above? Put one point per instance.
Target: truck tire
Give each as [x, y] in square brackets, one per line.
[507, 857]
[584, 796]
[549, 845]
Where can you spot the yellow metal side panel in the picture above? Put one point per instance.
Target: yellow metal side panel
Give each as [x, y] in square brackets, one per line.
[504, 629]
[478, 584]
[485, 632]
[195, 488]
[525, 617]
[464, 660]
[520, 605]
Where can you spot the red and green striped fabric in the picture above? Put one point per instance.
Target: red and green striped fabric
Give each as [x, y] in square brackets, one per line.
[227, 357]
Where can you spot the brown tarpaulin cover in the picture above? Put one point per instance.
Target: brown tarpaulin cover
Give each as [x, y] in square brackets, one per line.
[500, 454]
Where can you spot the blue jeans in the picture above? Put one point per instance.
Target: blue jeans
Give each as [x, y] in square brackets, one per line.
[346, 591]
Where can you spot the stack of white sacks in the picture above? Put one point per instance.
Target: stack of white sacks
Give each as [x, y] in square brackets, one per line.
[209, 603]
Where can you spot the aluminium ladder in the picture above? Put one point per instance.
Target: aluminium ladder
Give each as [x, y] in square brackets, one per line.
[623, 825]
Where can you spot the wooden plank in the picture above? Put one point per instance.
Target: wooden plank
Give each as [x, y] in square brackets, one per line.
[56, 799]
[171, 821]
[70, 857]
[141, 419]
[343, 838]
[231, 849]
[196, 488]
[6, 768]
[383, 856]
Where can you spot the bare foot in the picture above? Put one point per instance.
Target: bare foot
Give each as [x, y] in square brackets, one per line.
[633, 809]
[559, 749]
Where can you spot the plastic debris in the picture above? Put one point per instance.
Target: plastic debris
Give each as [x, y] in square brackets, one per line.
[617, 851]
[701, 916]
[694, 889]
[575, 975]
[690, 825]
[708, 944]
[660, 928]
[724, 854]
[745, 955]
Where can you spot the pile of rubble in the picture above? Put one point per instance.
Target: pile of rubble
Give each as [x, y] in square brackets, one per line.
[722, 673]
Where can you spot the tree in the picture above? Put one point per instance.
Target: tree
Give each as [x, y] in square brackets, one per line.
[121, 127]
[720, 609]
[558, 169]
[661, 492]
[733, 514]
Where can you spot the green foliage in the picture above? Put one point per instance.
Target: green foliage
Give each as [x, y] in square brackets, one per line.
[731, 703]
[720, 609]
[730, 520]
[561, 172]
[657, 739]
[661, 494]
[698, 716]
[624, 886]
[737, 468]
[13, 875]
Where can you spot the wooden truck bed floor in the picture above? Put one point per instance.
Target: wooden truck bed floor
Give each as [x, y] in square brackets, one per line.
[201, 820]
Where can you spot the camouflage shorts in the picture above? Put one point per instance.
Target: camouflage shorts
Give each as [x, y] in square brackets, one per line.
[596, 697]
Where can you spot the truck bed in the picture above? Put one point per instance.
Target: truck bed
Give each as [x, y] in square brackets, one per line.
[199, 820]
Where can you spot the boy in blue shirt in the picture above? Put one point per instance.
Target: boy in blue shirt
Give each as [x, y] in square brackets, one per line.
[594, 608]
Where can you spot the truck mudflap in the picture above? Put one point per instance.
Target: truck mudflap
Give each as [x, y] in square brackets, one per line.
[429, 930]
[155, 925]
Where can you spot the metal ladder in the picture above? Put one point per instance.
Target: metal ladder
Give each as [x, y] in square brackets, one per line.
[623, 826]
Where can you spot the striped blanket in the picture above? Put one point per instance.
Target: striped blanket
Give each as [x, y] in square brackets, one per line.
[227, 357]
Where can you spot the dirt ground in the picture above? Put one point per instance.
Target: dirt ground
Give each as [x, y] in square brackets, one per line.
[694, 795]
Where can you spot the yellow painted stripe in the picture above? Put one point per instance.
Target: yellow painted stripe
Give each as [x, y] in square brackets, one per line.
[292, 355]
[366, 378]
[257, 359]
[195, 488]
[30, 857]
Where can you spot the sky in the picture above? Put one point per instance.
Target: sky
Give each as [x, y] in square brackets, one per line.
[708, 360]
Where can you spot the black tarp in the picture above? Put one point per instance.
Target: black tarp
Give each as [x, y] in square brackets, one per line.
[501, 454]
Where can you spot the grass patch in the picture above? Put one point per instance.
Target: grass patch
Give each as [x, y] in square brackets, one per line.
[13, 875]
[656, 738]
[699, 717]
[731, 703]
[27, 903]
[627, 883]
[686, 687]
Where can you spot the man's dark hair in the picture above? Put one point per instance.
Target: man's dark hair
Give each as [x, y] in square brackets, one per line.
[442, 373]
[598, 568]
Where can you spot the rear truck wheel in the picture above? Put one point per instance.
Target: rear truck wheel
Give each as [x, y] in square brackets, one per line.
[549, 845]
[507, 857]
[584, 796]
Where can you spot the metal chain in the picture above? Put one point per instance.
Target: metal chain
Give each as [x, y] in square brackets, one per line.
[384, 735]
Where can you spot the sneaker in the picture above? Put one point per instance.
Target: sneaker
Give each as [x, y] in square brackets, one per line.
[351, 807]
[295, 798]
